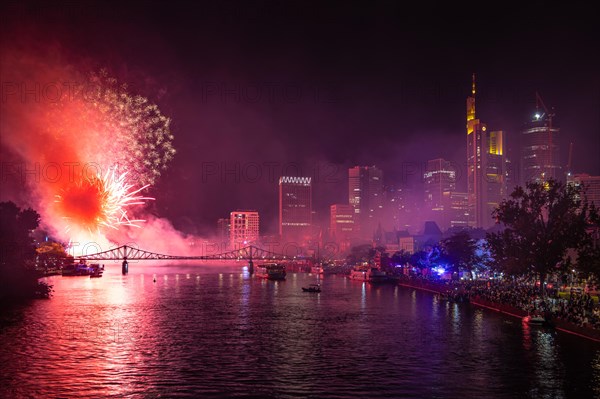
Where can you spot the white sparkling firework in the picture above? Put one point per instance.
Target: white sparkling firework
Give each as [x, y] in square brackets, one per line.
[113, 194]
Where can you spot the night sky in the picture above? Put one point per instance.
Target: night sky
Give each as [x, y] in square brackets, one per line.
[312, 88]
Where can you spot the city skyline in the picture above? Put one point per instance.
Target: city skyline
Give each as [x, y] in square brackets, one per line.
[299, 199]
[247, 109]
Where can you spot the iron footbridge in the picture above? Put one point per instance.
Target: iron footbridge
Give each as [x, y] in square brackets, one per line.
[126, 252]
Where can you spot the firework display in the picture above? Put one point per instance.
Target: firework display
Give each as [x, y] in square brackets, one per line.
[126, 139]
[89, 147]
[99, 201]
[114, 128]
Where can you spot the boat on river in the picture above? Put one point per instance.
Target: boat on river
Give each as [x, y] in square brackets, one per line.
[83, 269]
[77, 269]
[270, 271]
[97, 271]
[537, 319]
[371, 275]
[317, 269]
[312, 288]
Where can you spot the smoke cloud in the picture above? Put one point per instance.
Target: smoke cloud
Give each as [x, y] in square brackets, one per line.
[74, 141]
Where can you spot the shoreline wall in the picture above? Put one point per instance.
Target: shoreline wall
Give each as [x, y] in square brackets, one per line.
[560, 324]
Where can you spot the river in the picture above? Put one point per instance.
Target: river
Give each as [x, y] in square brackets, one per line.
[215, 331]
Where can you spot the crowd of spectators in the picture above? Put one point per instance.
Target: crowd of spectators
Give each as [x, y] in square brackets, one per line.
[577, 307]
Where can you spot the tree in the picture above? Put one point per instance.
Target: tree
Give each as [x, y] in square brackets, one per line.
[360, 253]
[385, 262]
[588, 258]
[460, 251]
[420, 259]
[541, 223]
[588, 262]
[51, 255]
[400, 258]
[18, 277]
[16, 242]
[424, 259]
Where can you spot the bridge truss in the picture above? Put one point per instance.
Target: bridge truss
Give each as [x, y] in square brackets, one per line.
[246, 253]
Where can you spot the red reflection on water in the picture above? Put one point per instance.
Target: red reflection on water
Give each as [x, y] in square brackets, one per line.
[526, 333]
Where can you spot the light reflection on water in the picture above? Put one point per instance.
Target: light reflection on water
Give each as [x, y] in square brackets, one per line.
[596, 374]
[202, 332]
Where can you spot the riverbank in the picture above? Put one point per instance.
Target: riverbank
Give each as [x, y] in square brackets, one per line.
[559, 324]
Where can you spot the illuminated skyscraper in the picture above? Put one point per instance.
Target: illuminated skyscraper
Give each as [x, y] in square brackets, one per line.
[440, 177]
[244, 228]
[365, 194]
[295, 208]
[486, 167]
[440, 181]
[456, 209]
[540, 158]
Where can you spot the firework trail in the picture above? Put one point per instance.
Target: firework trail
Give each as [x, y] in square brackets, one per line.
[120, 130]
[106, 145]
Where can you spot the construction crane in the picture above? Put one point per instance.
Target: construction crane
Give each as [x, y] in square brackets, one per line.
[539, 102]
[570, 159]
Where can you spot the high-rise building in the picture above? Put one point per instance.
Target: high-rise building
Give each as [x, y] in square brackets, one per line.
[445, 206]
[456, 210]
[402, 208]
[439, 177]
[224, 229]
[365, 194]
[591, 186]
[244, 228]
[295, 208]
[440, 181]
[486, 167]
[540, 157]
[342, 226]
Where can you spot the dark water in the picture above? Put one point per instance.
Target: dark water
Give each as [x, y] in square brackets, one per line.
[203, 331]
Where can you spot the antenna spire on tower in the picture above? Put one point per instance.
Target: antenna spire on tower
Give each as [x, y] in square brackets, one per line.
[473, 88]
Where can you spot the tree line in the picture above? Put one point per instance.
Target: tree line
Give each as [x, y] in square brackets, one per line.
[18, 275]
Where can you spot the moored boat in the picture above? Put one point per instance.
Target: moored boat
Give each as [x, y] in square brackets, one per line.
[371, 275]
[77, 269]
[317, 269]
[97, 270]
[312, 288]
[358, 274]
[270, 271]
[537, 320]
